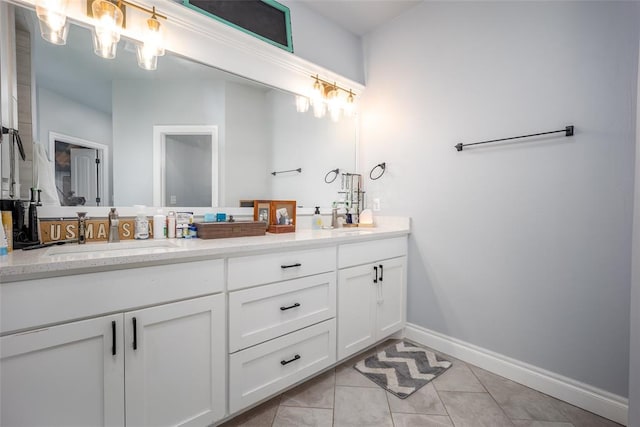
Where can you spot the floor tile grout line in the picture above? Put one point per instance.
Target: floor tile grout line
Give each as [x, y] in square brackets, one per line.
[335, 385]
[443, 404]
[491, 395]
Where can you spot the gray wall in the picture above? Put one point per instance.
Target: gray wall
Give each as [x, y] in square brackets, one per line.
[323, 42]
[57, 113]
[523, 249]
[634, 365]
[315, 145]
[247, 147]
[138, 106]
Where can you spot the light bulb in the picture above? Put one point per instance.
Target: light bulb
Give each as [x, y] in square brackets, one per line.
[52, 19]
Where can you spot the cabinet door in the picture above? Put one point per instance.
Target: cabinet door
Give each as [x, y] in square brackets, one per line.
[66, 375]
[356, 309]
[175, 363]
[390, 296]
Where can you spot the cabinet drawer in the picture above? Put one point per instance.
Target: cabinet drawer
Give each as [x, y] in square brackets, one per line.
[352, 254]
[262, 313]
[262, 269]
[263, 370]
[33, 303]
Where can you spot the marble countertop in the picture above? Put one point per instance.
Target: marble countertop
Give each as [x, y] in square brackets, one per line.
[76, 259]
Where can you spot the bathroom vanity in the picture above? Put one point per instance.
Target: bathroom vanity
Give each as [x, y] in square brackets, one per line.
[189, 332]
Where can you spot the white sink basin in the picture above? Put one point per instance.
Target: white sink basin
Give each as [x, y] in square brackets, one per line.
[136, 247]
[350, 231]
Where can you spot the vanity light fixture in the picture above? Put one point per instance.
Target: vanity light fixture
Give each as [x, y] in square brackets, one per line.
[109, 19]
[52, 17]
[328, 96]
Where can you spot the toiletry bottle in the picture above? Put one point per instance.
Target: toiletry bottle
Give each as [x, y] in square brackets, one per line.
[6, 211]
[82, 227]
[114, 222]
[159, 225]
[171, 225]
[33, 218]
[141, 225]
[316, 220]
[4, 244]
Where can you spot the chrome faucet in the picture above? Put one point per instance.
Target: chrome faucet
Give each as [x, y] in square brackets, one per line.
[114, 221]
[334, 217]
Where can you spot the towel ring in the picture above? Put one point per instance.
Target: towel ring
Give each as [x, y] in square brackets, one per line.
[329, 180]
[382, 166]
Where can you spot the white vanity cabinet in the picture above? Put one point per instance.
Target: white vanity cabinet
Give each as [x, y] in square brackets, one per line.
[282, 330]
[175, 363]
[67, 375]
[159, 365]
[371, 292]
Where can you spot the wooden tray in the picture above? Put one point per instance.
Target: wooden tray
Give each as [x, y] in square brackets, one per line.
[223, 230]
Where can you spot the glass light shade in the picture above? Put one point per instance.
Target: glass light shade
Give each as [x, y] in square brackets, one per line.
[319, 109]
[349, 107]
[334, 104]
[106, 32]
[147, 59]
[154, 37]
[302, 104]
[316, 94]
[52, 17]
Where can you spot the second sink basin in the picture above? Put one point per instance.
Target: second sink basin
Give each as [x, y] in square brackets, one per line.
[135, 247]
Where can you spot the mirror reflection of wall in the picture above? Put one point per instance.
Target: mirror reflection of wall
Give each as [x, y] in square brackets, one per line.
[116, 104]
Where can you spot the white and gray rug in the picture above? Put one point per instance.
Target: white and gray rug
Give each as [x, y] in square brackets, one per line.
[402, 368]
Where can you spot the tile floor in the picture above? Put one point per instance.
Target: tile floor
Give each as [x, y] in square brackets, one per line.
[464, 396]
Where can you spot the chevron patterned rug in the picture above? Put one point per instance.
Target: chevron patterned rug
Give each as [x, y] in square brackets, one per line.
[402, 368]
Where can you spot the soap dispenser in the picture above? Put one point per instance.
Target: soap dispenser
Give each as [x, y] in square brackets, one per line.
[316, 221]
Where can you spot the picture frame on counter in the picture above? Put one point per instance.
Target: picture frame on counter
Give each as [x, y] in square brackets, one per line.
[280, 215]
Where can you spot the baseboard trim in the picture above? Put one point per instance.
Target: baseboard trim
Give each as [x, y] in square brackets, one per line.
[583, 395]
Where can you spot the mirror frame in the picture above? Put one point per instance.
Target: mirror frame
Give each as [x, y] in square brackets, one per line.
[196, 37]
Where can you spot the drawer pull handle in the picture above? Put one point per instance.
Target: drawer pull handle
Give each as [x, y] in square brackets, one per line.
[375, 274]
[113, 338]
[297, 264]
[285, 362]
[135, 333]
[290, 307]
[381, 270]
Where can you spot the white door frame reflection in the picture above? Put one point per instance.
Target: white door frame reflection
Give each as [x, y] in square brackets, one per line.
[196, 177]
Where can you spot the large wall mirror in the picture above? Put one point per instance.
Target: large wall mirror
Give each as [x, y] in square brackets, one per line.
[89, 109]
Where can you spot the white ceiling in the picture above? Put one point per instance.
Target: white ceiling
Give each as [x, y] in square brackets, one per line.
[360, 16]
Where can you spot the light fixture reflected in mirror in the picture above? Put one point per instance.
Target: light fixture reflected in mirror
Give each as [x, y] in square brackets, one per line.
[106, 31]
[327, 96]
[109, 20]
[52, 17]
[302, 104]
[153, 44]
